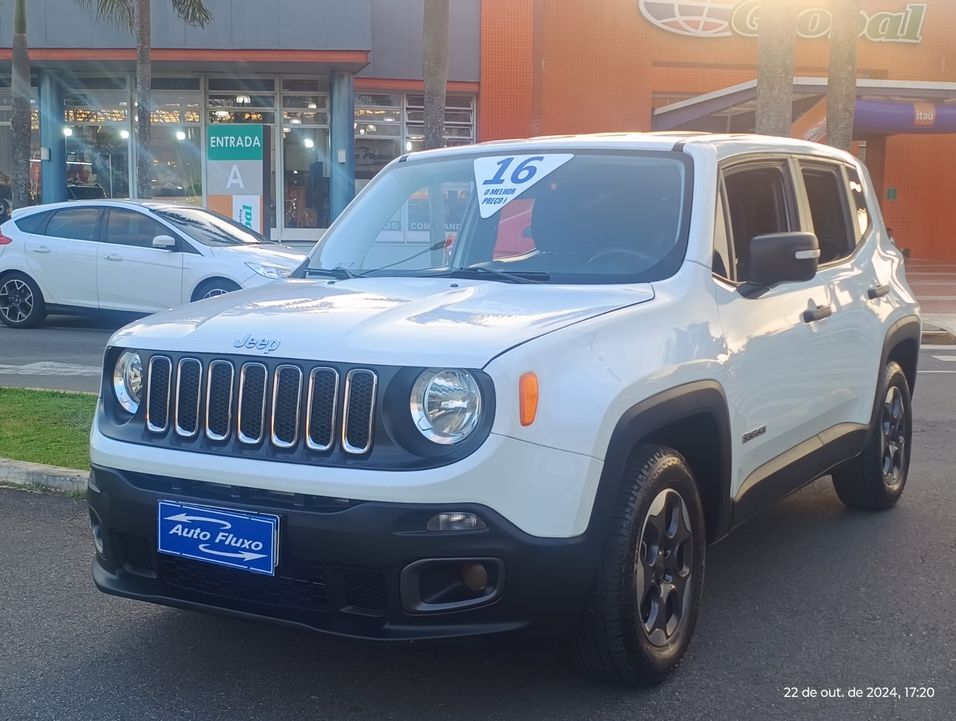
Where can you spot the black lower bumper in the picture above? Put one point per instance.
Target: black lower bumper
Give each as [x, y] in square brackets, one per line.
[359, 569]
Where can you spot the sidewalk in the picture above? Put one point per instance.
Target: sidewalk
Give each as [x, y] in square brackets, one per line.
[934, 283]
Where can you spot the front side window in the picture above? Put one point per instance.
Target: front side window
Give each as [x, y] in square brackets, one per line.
[585, 217]
[127, 227]
[74, 223]
[759, 201]
[209, 228]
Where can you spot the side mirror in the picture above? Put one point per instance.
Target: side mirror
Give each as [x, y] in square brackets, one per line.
[779, 257]
[164, 242]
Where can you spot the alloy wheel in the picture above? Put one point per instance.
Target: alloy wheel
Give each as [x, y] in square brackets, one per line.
[893, 436]
[662, 567]
[16, 300]
[213, 293]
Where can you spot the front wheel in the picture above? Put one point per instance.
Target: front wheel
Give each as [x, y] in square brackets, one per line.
[875, 479]
[642, 612]
[213, 288]
[21, 302]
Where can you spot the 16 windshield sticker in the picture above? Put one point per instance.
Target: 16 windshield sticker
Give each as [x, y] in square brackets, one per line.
[502, 178]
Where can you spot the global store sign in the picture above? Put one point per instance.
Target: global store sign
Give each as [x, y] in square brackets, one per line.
[714, 19]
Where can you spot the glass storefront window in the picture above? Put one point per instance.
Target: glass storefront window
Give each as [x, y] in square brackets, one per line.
[97, 161]
[6, 148]
[177, 163]
[306, 175]
[177, 140]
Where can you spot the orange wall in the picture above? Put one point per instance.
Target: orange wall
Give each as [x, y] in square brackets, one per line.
[923, 171]
[504, 104]
[568, 66]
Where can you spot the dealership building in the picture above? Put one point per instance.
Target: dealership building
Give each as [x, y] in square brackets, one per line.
[310, 98]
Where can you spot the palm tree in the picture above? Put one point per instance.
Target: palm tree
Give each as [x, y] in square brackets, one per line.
[435, 74]
[841, 86]
[134, 14]
[22, 120]
[775, 67]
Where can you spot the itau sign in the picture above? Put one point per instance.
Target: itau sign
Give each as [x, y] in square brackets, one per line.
[234, 172]
[716, 19]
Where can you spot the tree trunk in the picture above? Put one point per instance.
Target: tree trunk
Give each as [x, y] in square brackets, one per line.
[777, 30]
[22, 120]
[435, 73]
[144, 82]
[435, 70]
[841, 86]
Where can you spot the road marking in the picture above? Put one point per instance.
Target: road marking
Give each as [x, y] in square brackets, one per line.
[47, 368]
[936, 371]
[939, 346]
[945, 357]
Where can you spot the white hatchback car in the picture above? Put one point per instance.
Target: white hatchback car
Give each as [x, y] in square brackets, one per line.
[121, 255]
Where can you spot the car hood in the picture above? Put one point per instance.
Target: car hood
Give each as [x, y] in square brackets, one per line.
[387, 321]
[280, 255]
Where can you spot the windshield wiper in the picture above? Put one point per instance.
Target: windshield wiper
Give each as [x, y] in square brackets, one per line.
[524, 276]
[338, 272]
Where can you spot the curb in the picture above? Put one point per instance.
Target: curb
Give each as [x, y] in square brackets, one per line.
[39, 475]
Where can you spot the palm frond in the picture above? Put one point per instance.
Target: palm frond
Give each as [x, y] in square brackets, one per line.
[116, 11]
[193, 12]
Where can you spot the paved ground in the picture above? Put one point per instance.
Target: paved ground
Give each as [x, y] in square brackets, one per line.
[934, 283]
[808, 595]
[66, 353]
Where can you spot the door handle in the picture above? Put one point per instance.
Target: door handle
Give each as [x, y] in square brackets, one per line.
[114, 256]
[41, 249]
[878, 291]
[818, 313]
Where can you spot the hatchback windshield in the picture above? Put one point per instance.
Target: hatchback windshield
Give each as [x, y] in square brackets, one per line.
[569, 217]
[209, 228]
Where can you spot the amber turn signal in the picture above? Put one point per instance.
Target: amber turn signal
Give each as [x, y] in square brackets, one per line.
[528, 395]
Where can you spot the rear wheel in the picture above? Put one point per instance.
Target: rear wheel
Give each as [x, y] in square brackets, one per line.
[875, 479]
[21, 302]
[642, 613]
[214, 287]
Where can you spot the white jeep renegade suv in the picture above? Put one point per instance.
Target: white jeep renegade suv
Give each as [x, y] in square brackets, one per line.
[517, 388]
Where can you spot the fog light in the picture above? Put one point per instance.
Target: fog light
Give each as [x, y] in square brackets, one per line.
[97, 527]
[455, 521]
[475, 576]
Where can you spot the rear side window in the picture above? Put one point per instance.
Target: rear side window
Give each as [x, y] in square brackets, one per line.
[74, 223]
[827, 195]
[860, 208]
[32, 223]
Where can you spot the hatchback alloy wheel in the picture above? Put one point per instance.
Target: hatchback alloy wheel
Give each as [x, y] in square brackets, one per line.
[16, 301]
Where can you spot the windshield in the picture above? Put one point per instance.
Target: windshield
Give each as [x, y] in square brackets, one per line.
[571, 217]
[210, 228]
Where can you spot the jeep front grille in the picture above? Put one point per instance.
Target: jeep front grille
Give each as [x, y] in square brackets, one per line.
[285, 406]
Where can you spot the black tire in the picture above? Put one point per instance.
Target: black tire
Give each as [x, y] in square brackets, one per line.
[658, 498]
[874, 480]
[213, 287]
[21, 302]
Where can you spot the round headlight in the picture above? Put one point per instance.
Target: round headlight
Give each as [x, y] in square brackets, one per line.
[446, 405]
[128, 380]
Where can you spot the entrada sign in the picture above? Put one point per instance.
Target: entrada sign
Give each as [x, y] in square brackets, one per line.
[709, 19]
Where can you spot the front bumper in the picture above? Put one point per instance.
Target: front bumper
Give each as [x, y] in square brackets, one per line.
[342, 564]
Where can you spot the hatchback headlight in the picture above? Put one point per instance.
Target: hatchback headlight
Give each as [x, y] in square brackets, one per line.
[273, 272]
[446, 405]
[128, 380]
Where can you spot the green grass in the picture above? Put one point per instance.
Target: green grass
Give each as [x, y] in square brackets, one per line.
[46, 427]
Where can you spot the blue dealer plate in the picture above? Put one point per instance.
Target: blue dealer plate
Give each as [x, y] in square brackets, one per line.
[248, 541]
